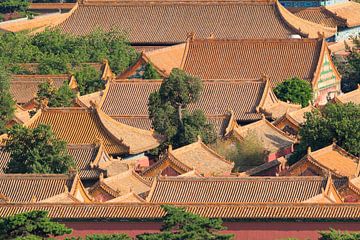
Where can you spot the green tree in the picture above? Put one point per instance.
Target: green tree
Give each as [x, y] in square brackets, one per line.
[336, 121]
[150, 72]
[9, 6]
[48, 94]
[119, 236]
[36, 151]
[182, 225]
[167, 110]
[294, 90]
[337, 235]
[88, 80]
[30, 225]
[7, 104]
[54, 64]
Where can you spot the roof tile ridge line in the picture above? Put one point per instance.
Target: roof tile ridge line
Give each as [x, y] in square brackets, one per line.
[152, 190]
[279, 131]
[137, 80]
[186, 52]
[101, 150]
[334, 15]
[41, 75]
[104, 186]
[222, 158]
[331, 186]
[140, 178]
[68, 14]
[281, 9]
[291, 118]
[77, 183]
[254, 40]
[153, 166]
[353, 187]
[105, 93]
[231, 124]
[139, 61]
[316, 163]
[264, 96]
[34, 118]
[344, 152]
[130, 116]
[171, 157]
[147, 60]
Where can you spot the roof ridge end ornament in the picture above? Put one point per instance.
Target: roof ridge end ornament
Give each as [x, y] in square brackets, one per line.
[191, 36]
[308, 150]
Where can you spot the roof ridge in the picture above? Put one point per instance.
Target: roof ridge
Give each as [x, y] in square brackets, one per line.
[243, 178]
[254, 40]
[35, 176]
[111, 3]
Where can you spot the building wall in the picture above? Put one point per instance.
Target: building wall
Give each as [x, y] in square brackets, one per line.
[242, 230]
[346, 33]
[310, 3]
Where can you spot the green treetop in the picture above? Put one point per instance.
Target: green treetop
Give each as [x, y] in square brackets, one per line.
[31, 225]
[9, 6]
[88, 80]
[51, 96]
[179, 224]
[150, 72]
[36, 151]
[294, 90]
[336, 121]
[167, 110]
[7, 104]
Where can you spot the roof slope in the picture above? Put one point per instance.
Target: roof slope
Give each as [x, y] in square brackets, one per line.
[33, 187]
[86, 126]
[249, 59]
[130, 98]
[318, 15]
[353, 96]
[24, 87]
[170, 21]
[235, 189]
[349, 11]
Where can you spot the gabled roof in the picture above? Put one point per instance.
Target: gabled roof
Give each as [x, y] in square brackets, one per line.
[131, 197]
[232, 59]
[353, 96]
[245, 98]
[122, 184]
[21, 115]
[329, 194]
[296, 117]
[348, 11]
[196, 156]
[22, 188]
[273, 138]
[167, 22]
[86, 126]
[235, 189]
[331, 159]
[24, 87]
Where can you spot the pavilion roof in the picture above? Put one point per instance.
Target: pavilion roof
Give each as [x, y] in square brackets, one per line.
[24, 87]
[168, 22]
[353, 96]
[22, 188]
[236, 189]
[86, 126]
[347, 11]
[296, 117]
[272, 138]
[240, 211]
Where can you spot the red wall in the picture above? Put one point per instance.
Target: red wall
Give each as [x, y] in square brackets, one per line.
[253, 231]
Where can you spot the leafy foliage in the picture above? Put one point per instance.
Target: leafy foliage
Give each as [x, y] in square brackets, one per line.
[102, 237]
[337, 235]
[49, 95]
[182, 225]
[58, 52]
[294, 90]
[8, 6]
[88, 79]
[150, 72]
[336, 121]
[349, 68]
[31, 226]
[7, 104]
[36, 151]
[167, 110]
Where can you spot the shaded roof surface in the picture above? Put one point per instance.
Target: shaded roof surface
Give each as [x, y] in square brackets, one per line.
[349, 11]
[29, 187]
[353, 96]
[236, 211]
[249, 59]
[130, 98]
[24, 87]
[234, 189]
[161, 22]
[317, 15]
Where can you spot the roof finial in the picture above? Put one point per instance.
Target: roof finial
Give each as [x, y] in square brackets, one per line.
[263, 116]
[309, 150]
[33, 199]
[66, 189]
[199, 138]
[191, 35]
[334, 142]
[170, 148]
[212, 36]
[101, 177]
[264, 77]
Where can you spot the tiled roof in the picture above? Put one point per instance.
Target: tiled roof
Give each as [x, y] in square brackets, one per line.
[247, 211]
[235, 189]
[348, 11]
[317, 15]
[273, 138]
[122, 184]
[337, 160]
[170, 22]
[128, 198]
[296, 117]
[24, 87]
[86, 126]
[64, 197]
[249, 58]
[48, 6]
[130, 98]
[33, 187]
[353, 96]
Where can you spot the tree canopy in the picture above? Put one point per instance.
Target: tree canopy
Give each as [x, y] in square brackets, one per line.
[31, 225]
[340, 122]
[294, 90]
[88, 79]
[150, 72]
[167, 110]
[338, 235]
[182, 225]
[36, 151]
[9, 6]
[51, 96]
[57, 52]
[7, 104]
